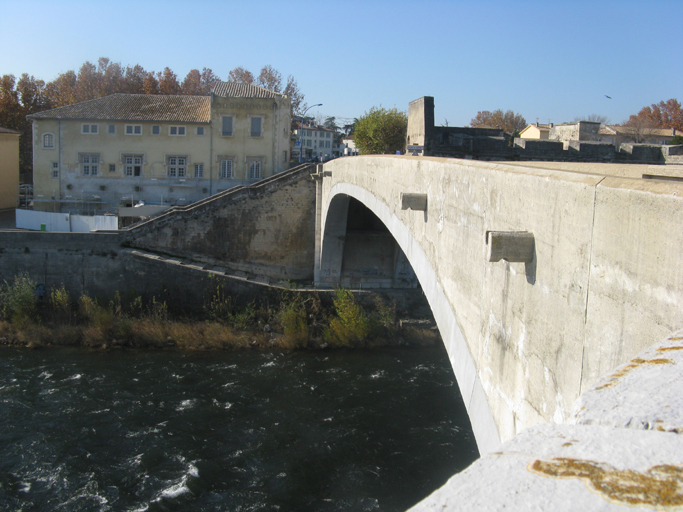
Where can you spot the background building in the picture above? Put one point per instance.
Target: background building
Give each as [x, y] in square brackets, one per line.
[9, 168]
[122, 149]
[317, 142]
[536, 131]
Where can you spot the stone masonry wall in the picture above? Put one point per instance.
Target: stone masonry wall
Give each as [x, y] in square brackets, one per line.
[81, 262]
[266, 229]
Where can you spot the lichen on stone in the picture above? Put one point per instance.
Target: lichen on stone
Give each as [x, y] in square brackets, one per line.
[635, 363]
[660, 486]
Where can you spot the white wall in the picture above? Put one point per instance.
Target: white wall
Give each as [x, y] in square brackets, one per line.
[65, 222]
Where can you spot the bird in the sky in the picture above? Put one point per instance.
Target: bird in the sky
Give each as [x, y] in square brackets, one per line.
[610, 97]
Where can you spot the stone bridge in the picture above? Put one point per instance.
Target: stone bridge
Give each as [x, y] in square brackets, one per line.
[542, 277]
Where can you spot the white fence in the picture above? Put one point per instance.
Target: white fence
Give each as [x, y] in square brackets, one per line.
[48, 221]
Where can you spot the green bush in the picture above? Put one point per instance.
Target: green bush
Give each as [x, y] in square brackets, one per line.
[383, 319]
[292, 318]
[18, 302]
[60, 305]
[350, 325]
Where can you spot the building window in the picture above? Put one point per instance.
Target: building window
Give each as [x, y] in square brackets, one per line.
[55, 169]
[200, 130]
[48, 141]
[132, 165]
[284, 156]
[133, 129]
[89, 128]
[176, 130]
[177, 166]
[226, 169]
[111, 129]
[256, 126]
[112, 167]
[89, 163]
[226, 124]
[255, 170]
[156, 129]
[309, 143]
[198, 170]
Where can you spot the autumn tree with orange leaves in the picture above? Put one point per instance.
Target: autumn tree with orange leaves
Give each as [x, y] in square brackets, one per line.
[665, 114]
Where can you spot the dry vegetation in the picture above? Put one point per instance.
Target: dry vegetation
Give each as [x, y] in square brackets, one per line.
[297, 321]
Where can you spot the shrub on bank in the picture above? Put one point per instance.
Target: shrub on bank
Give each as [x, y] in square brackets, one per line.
[296, 321]
[18, 301]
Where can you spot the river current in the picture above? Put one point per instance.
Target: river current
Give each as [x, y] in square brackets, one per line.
[356, 430]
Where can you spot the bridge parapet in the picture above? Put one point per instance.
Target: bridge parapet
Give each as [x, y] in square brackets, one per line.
[524, 338]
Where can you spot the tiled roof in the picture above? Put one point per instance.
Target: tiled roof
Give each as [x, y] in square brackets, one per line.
[312, 127]
[136, 107]
[241, 90]
[7, 130]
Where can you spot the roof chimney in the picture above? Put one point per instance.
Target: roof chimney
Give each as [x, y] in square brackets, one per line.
[552, 124]
[536, 124]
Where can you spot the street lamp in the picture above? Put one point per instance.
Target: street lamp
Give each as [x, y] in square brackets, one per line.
[301, 129]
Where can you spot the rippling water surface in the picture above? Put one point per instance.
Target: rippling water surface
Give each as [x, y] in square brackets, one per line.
[241, 431]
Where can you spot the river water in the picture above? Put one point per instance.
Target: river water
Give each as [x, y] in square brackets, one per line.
[354, 430]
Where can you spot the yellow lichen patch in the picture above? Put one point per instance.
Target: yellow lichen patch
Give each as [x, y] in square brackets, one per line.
[676, 338]
[635, 363]
[659, 486]
[668, 349]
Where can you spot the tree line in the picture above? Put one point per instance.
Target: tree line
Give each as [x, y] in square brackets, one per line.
[28, 94]
[665, 114]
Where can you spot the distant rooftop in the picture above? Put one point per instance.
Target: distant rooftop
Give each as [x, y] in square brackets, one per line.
[241, 90]
[7, 130]
[155, 107]
[135, 107]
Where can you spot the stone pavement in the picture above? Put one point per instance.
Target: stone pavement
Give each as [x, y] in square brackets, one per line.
[622, 448]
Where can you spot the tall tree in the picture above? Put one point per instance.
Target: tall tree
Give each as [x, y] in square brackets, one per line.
[168, 82]
[134, 79]
[239, 74]
[508, 121]
[381, 131]
[192, 84]
[88, 83]
[62, 90]
[295, 95]
[208, 80]
[113, 79]
[270, 78]
[665, 114]
[150, 85]
[10, 107]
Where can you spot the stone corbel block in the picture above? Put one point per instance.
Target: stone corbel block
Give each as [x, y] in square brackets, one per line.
[416, 202]
[513, 246]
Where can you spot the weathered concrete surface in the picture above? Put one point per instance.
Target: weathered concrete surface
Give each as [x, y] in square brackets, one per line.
[524, 339]
[267, 228]
[569, 468]
[622, 448]
[643, 394]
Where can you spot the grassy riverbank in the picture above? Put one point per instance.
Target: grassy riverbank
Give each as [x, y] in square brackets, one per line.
[294, 321]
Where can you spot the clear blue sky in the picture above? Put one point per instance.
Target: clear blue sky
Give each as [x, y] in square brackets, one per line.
[548, 60]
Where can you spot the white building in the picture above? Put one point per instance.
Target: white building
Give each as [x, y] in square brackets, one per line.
[317, 142]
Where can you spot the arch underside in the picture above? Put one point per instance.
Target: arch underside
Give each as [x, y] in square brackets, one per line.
[329, 271]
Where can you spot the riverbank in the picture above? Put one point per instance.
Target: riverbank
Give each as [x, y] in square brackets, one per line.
[294, 321]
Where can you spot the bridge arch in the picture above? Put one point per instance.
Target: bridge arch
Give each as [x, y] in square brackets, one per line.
[525, 337]
[329, 271]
